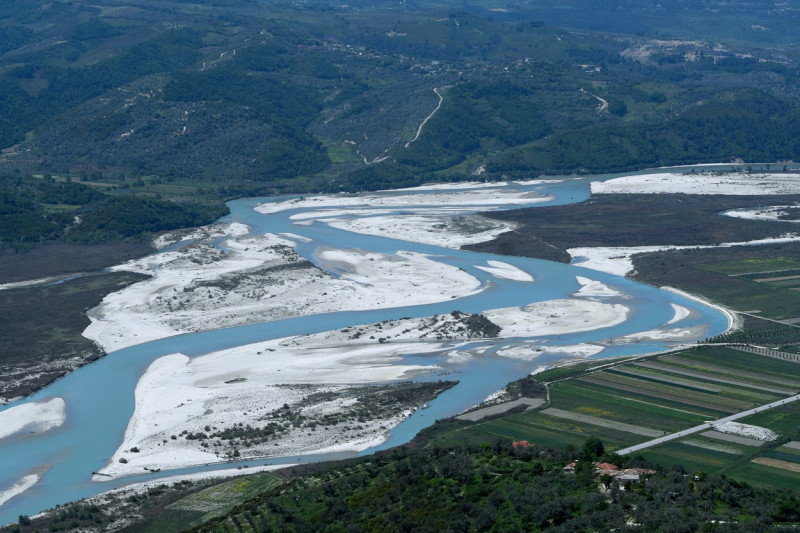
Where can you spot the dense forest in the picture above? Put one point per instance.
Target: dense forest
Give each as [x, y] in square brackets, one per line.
[175, 104]
[36, 211]
[746, 124]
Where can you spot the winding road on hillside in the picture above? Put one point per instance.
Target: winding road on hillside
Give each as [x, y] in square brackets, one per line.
[419, 130]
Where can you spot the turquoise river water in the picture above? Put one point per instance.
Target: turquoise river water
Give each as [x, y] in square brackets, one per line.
[99, 397]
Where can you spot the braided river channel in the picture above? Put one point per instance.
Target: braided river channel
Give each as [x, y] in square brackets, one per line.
[39, 470]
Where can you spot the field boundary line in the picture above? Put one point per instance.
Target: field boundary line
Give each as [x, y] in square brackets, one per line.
[706, 425]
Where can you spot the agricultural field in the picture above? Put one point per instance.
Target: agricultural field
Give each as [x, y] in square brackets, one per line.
[221, 498]
[642, 399]
[779, 272]
[765, 464]
[759, 280]
[755, 267]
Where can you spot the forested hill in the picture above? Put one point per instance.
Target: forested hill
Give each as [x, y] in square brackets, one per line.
[194, 103]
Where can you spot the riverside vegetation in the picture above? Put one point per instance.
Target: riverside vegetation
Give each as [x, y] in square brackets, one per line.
[116, 127]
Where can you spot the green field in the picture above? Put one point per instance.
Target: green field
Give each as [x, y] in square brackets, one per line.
[781, 464]
[784, 420]
[219, 499]
[788, 450]
[765, 476]
[636, 401]
[743, 267]
[692, 458]
[733, 277]
[341, 153]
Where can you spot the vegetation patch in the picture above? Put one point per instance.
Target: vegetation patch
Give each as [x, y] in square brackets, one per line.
[639, 220]
[776, 463]
[597, 421]
[722, 360]
[701, 273]
[41, 326]
[485, 487]
[761, 475]
[321, 417]
[221, 498]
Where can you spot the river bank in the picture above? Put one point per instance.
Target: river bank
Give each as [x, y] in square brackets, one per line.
[241, 273]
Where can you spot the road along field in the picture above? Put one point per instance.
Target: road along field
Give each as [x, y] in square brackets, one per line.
[644, 399]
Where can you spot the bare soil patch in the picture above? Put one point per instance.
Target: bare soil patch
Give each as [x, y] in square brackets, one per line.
[777, 463]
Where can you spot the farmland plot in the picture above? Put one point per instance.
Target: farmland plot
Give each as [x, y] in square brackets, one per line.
[730, 362]
[669, 393]
[706, 377]
[760, 462]
[624, 404]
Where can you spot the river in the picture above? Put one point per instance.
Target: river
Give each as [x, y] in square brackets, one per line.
[99, 397]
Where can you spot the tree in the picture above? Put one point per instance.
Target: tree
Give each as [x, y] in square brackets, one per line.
[617, 107]
[592, 449]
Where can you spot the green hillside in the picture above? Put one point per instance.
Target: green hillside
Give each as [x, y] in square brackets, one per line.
[181, 101]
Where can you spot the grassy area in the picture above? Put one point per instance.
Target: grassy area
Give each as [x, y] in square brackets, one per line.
[341, 153]
[673, 395]
[788, 450]
[730, 362]
[606, 402]
[692, 458]
[60, 208]
[220, 499]
[568, 371]
[782, 420]
[765, 476]
[737, 267]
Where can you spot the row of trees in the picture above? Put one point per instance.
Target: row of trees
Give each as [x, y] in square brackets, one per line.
[778, 336]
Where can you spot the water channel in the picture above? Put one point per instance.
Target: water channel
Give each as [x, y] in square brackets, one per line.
[99, 397]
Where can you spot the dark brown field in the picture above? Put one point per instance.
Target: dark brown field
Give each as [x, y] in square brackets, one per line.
[40, 330]
[633, 220]
[54, 259]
